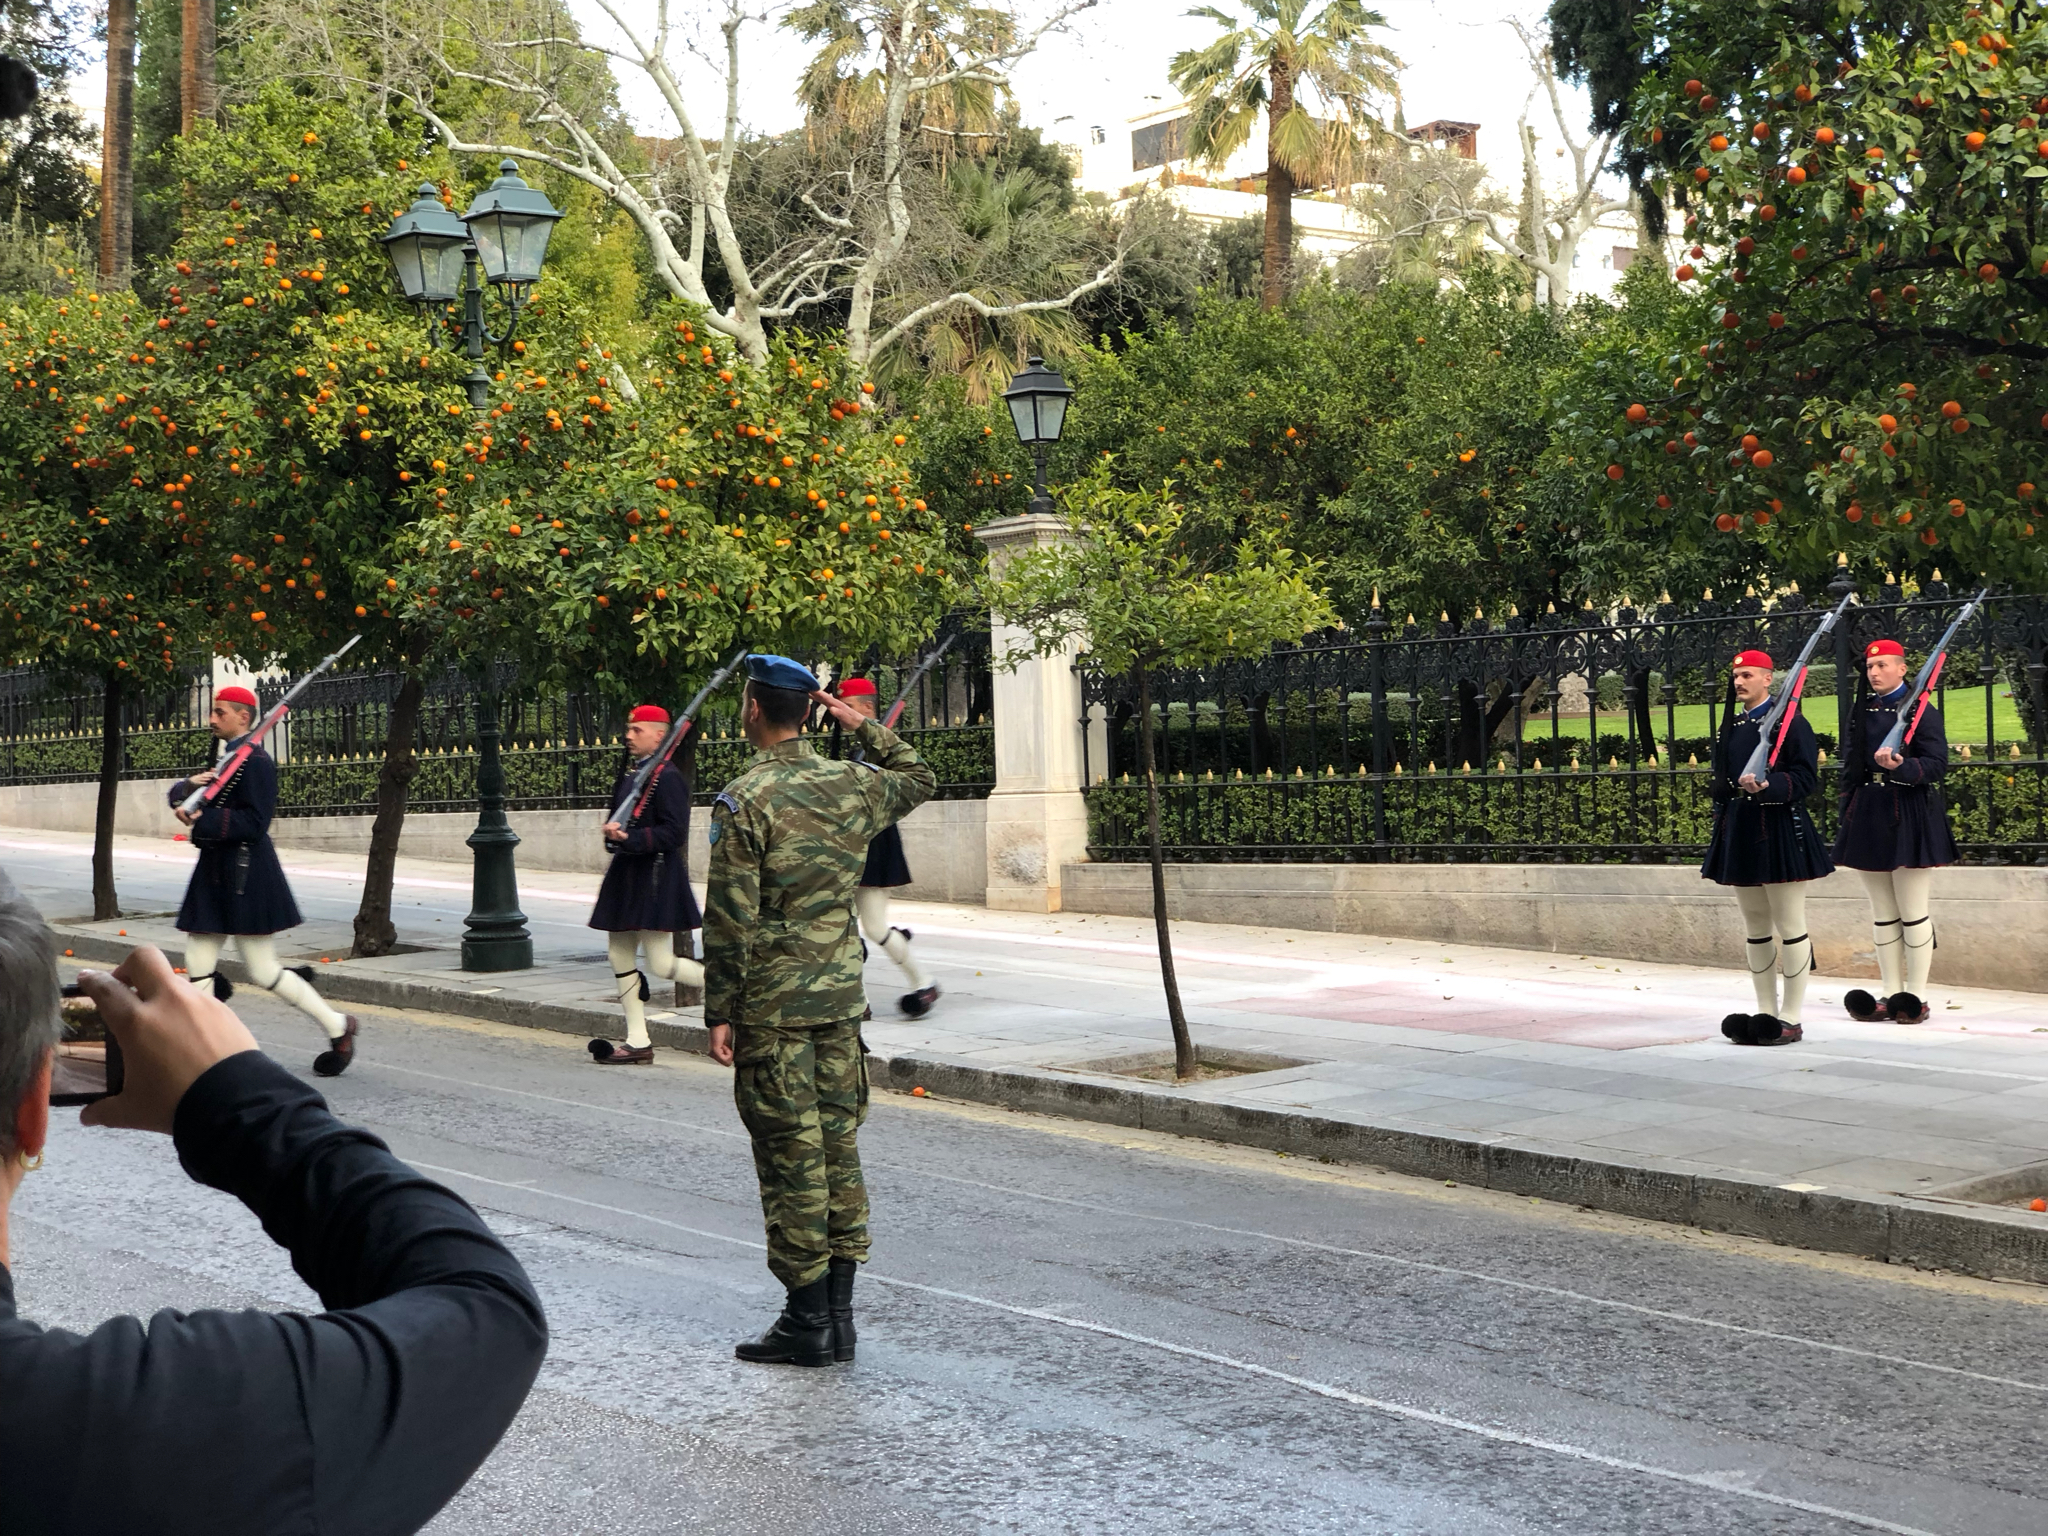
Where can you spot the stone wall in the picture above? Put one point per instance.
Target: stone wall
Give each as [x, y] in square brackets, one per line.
[1987, 921]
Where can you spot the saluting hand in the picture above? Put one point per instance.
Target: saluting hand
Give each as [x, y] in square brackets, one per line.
[840, 709]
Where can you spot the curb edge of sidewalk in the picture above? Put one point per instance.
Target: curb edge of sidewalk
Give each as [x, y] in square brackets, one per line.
[1927, 1234]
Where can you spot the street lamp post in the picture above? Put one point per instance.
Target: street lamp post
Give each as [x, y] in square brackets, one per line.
[1037, 398]
[505, 233]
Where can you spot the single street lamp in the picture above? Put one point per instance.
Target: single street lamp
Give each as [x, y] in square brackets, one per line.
[506, 232]
[1038, 398]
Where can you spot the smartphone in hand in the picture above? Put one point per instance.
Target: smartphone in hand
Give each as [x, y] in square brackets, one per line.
[88, 1065]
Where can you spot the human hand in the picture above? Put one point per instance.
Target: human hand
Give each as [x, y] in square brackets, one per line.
[203, 777]
[839, 709]
[170, 1033]
[721, 1044]
[190, 818]
[1751, 784]
[1888, 760]
[614, 833]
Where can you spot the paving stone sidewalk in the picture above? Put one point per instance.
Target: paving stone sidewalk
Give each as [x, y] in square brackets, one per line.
[1571, 1055]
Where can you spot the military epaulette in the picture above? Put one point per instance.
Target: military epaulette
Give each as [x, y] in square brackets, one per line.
[725, 799]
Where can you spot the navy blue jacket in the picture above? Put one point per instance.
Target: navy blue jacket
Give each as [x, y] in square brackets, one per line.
[361, 1421]
[1767, 838]
[647, 886]
[238, 886]
[1894, 819]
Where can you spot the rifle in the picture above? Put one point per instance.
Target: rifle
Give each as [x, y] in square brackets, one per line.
[917, 676]
[202, 796]
[1771, 731]
[1923, 685]
[637, 792]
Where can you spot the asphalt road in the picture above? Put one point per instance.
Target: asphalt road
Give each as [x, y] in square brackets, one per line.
[1076, 1329]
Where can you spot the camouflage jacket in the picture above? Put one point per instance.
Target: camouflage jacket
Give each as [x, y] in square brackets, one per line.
[789, 838]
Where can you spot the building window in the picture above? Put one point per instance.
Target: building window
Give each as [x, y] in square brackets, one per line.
[1096, 135]
[1623, 256]
[1157, 143]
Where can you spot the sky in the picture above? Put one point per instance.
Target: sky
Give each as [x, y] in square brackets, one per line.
[1462, 62]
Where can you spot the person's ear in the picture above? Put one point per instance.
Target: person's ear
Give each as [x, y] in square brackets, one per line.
[32, 1114]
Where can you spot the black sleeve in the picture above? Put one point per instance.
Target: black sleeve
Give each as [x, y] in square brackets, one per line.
[364, 1419]
[665, 825]
[1925, 758]
[1796, 774]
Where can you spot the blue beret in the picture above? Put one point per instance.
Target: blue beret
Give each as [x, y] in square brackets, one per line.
[780, 672]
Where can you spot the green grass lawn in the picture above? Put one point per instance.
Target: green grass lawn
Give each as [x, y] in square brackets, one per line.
[1963, 712]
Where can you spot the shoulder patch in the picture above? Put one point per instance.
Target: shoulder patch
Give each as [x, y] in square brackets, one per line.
[711, 834]
[861, 762]
[731, 805]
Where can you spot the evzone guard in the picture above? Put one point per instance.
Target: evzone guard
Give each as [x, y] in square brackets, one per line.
[238, 887]
[886, 868]
[1766, 846]
[1894, 828]
[646, 900]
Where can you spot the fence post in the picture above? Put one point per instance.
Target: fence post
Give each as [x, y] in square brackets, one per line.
[1037, 817]
[1845, 660]
[1376, 643]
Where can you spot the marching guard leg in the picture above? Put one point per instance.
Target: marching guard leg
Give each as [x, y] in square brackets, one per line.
[623, 948]
[1884, 936]
[872, 903]
[1795, 961]
[202, 963]
[663, 960]
[1760, 955]
[259, 954]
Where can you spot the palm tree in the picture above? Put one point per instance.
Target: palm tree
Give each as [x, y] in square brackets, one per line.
[195, 66]
[117, 152]
[1262, 64]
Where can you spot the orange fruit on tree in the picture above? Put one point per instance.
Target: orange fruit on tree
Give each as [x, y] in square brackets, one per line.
[1951, 409]
[1823, 135]
[1638, 414]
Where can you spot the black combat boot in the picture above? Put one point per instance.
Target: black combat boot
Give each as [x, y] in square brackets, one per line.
[802, 1335]
[839, 1279]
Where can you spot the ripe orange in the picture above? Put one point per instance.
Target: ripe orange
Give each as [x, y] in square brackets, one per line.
[1951, 409]
[1762, 458]
[1888, 424]
[1797, 175]
[1727, 522]
[1823, 135]
[1718, 142]
[1614, 471]
[1638, 414]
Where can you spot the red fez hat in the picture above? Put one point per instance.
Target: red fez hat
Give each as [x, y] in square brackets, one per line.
[234, 695]
[1884, 648]
[857, 688]
[1753, 659]
[652, 712]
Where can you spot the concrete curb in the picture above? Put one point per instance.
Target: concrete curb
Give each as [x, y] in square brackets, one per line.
[1926, 1233]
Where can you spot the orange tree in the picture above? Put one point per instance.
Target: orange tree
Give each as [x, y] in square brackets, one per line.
[635, 544]
[95, 450]
[1863, 369]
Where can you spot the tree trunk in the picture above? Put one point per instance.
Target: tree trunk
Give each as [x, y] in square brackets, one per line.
[1183, 1043]
[375, 934]
[105, 903]
[1279, 197]
[195, 66]
[117, 147]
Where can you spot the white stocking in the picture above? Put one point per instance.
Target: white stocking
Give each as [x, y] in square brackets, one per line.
[259, 954]
[1761, 952]
[1916, 929]
[623, 947]
[872, 903]
[202, 958]
[1795, 948]
[663, 960]
[1881, 887]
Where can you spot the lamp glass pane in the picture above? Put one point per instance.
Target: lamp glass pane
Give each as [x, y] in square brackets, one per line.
[490, 244]
[1024, 413]
[533, 250]
[444, 270]
[406, 265]
[1052, 416]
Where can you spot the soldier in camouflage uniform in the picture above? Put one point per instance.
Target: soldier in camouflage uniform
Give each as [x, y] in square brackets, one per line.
[783, 998]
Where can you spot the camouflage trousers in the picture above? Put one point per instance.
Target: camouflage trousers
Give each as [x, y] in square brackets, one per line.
[802, 1094]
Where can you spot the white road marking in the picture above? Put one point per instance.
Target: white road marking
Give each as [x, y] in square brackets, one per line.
[1707, 1481]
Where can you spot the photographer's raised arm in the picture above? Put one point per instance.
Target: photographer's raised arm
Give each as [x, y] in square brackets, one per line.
[365, 1418]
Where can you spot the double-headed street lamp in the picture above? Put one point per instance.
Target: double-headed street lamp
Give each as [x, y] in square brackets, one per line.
[1037, 398]
[506, 231]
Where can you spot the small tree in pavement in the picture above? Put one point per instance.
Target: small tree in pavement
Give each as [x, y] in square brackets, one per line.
[1129, 589]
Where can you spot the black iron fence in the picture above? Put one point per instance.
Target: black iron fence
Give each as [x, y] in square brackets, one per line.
[561, 750]
[1564, 737]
